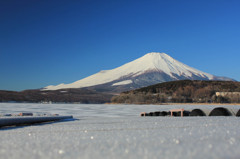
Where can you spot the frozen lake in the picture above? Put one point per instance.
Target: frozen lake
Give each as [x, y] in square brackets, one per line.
[117, 131]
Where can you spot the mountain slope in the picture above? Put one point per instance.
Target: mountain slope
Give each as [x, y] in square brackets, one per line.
[150, 69]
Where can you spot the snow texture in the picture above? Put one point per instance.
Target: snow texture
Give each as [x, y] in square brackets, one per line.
[117, 131]
[157, 62]
[122, 83]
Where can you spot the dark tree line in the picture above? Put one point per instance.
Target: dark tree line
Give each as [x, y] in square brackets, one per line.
[185, 91]
[58, 96]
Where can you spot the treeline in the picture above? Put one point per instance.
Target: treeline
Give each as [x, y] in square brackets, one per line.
[57, 96]
[185, 91]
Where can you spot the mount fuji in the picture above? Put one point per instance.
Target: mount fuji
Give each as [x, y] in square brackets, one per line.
[149, 69]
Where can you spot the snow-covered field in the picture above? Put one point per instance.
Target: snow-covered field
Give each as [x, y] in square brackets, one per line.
[117, 131]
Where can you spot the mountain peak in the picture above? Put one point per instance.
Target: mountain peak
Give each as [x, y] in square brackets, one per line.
[162, 62]
[159, 57]
[152, 68]
[156, 55]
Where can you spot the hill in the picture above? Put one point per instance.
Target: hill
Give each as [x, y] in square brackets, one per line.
[184, 91]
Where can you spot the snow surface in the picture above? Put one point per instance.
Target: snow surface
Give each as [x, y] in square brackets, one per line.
[117, 131]
[160, 62]
[122, 83]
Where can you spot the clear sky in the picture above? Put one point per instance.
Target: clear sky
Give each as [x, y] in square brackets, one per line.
[48, 42]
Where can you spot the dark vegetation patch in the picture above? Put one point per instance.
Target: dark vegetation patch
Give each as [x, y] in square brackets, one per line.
[185, 91]
[58, 96]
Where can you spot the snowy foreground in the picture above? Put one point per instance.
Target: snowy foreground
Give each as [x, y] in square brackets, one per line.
[117, 131]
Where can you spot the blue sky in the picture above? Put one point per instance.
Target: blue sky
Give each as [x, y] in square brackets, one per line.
[48, 42]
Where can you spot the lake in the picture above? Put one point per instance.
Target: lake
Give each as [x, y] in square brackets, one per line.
[117, 131]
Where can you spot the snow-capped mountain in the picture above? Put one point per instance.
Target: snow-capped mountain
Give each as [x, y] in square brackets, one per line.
[150, 69]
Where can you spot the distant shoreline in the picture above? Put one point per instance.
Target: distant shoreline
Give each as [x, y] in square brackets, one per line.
[174, 103]
[201, 104]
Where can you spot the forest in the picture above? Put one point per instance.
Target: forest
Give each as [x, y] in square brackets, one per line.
[57, 96]
[184, 91]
